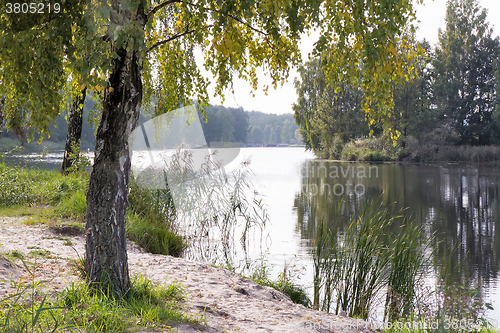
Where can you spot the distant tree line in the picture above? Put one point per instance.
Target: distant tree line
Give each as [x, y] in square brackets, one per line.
[225, 124]
[454, 100]
[271, 129]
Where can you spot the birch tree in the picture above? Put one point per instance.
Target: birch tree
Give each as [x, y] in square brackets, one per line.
[137, 53]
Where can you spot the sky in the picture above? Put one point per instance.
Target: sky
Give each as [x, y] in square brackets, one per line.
[431, 16]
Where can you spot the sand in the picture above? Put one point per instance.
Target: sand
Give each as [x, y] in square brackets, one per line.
[225, 301]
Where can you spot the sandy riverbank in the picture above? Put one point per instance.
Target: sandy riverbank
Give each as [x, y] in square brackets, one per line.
[229, 302]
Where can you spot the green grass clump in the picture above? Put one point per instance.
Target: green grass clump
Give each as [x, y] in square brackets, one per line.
[145, 305]
[284, 283]
[78, 308]
[154, 236]
[73, 207]
[151, 221]
[46, 197]
[38, 252]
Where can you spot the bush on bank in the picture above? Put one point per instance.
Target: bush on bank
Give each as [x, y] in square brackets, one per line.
[411, 150]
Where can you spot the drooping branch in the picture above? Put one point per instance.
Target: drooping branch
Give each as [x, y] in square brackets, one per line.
[160, 6]
[248, 25]
[237, 19]
[171, 38]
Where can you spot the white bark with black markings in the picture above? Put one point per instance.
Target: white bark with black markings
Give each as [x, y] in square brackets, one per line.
[106, 251]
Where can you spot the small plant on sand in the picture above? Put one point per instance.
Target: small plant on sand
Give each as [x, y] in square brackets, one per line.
[285, 282]
[28, 310]
[79, 308]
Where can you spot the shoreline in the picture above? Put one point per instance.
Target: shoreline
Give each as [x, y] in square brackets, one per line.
[224, 300]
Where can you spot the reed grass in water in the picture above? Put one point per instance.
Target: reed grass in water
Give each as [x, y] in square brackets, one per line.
[371, 255]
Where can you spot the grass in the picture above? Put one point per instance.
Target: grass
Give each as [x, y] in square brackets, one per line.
[38, 252]
[49, 198]
[29, 187]
[285, 282]
[381, 254]
[154, 236]
[451, 153]
[77, 308]
[217, 208]
[354, 266]
[407, 262]
[151, 221]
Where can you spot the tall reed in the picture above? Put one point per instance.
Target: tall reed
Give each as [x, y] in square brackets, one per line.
[407, 262]
[213, 209]
[353, 267]
[325, 252]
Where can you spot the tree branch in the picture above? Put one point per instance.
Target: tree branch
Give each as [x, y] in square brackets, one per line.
[173, 37]
[160, 6]
[237, 19]
[165, 41]
[248, 25]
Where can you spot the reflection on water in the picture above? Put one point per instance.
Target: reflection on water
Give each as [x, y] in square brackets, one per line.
[459, 204]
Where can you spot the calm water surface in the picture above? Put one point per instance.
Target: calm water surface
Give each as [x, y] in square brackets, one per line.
[460, 204]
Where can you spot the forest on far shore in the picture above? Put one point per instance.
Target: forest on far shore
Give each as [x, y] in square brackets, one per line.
[450, 111]
[224, 124]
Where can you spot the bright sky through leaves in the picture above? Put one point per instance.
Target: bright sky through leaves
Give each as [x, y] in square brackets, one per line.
[431, 16]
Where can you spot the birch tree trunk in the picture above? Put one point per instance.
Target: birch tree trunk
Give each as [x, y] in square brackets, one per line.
[106, 252]
[75, 122]
[2, 103]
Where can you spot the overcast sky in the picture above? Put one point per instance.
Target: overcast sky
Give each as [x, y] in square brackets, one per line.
[431, 16]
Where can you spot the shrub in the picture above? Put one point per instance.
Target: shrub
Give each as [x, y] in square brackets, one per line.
[333, 148]
[369, 150]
